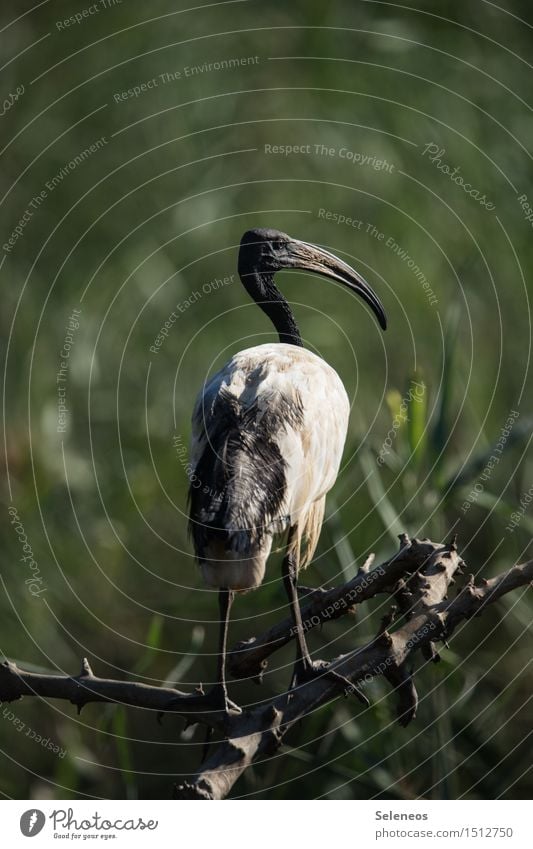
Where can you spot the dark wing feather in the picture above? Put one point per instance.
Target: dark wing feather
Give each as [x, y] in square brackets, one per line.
[238, 487]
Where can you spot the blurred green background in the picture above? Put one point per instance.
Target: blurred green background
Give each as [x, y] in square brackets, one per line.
[153, 214]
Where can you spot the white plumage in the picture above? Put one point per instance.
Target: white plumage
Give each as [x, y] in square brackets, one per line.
[268, 379]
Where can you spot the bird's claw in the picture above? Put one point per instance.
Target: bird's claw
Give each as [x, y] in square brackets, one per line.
[215, 700]
[350, 689]
[320, 669]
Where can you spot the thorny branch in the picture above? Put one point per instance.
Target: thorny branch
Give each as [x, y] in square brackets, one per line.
[249, 657]
[86, 687]
[418, 577]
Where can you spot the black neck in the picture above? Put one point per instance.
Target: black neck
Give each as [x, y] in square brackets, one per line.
[265, 293]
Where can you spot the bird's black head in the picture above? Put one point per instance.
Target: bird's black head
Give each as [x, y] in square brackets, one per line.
[265, 251]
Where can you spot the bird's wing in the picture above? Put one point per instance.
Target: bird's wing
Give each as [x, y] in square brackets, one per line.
[268, 434]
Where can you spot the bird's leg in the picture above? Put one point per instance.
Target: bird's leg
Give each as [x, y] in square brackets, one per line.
[217, 696]
[303, 664]
[304, 668]
[225, 600]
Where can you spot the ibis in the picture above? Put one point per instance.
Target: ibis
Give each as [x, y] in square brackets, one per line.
[268, 432]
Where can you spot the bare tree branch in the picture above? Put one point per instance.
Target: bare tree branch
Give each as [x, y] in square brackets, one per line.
[418, 577]
[86, 687]
[249, 657]
[430, 617]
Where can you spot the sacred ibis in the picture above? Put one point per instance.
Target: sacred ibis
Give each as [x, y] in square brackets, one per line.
[268, 434]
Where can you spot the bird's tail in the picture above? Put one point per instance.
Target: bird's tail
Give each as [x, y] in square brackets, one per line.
[303, 542]
[234, 570]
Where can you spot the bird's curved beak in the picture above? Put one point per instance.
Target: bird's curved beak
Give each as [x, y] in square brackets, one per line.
[309, 257]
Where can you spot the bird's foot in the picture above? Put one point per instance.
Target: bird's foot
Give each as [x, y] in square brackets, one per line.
[306, 671]
[215, 700]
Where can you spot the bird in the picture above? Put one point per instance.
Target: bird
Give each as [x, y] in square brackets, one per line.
[268, 433]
